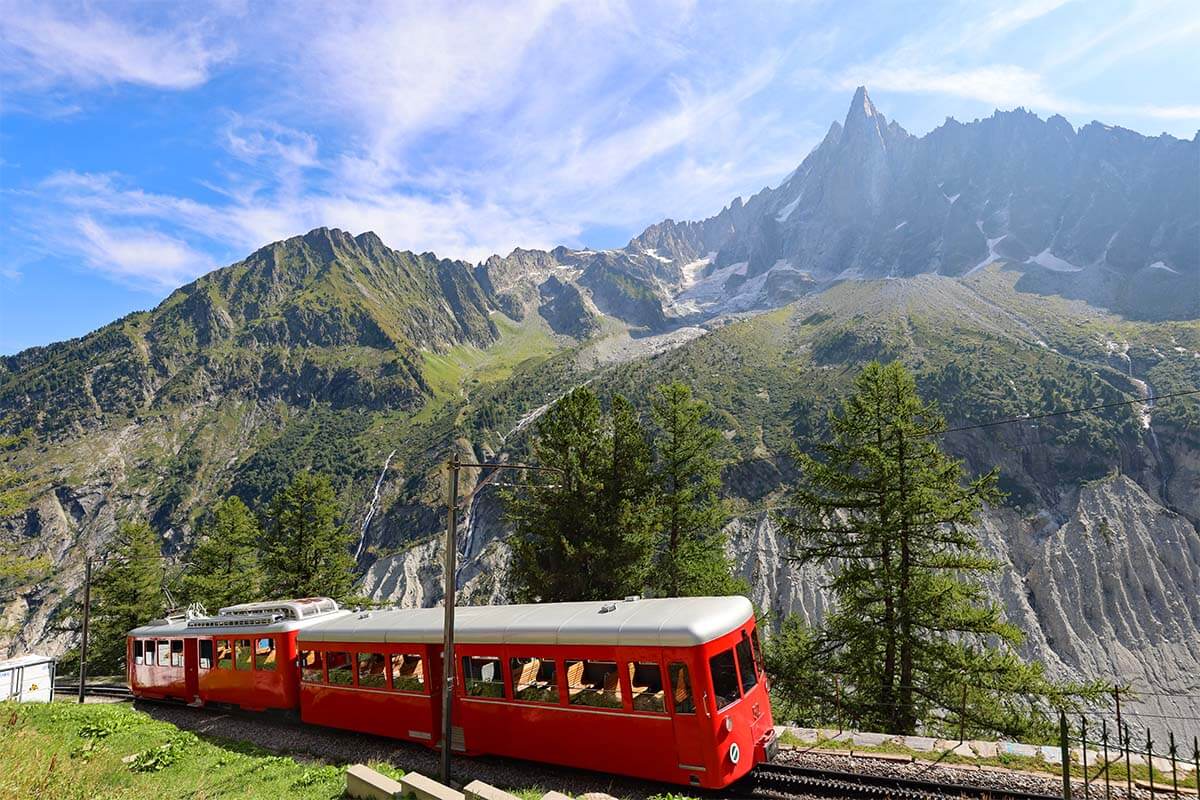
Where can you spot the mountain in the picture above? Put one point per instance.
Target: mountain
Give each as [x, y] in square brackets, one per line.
[336, 353]
[1102, 213]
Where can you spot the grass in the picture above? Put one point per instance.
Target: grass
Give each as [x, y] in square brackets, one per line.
[1116, 773]
[110, 751]
[67, 751]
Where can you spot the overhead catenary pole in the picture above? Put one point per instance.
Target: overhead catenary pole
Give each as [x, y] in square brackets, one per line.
[87, 613]
[452, 469]
[448, 624]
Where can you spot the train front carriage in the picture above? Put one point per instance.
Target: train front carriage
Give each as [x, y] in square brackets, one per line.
[665, 689]
[245, 655]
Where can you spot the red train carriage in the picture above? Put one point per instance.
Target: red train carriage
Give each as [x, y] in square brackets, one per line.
[245, 655]
[666, 689]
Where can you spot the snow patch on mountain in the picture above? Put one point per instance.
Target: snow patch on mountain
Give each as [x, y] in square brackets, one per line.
[1048, 260]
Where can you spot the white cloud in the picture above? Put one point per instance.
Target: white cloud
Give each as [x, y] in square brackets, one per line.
[252, 140]
[999, 85]
[88, 48]
[140, 257]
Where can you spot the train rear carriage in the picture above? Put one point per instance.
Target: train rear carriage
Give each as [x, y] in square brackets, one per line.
[665, 689]
[245, 655]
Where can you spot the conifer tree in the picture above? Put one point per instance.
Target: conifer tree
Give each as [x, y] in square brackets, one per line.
[126, 592]
[689, 554]
[306, 550]
[568, 541]
[223, 567]
[890, 515]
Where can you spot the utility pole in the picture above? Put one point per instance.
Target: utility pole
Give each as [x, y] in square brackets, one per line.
[448, 623]
[453, 466]
[87, 613]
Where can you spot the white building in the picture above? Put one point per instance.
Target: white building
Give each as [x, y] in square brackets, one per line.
[28, 679]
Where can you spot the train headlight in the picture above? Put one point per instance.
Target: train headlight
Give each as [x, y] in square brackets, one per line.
[735, 753]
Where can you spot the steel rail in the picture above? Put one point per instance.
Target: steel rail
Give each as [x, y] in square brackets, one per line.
[94, 689]
[793, 779]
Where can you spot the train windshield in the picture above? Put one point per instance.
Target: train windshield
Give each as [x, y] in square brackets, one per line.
[746, 664]
[724, 678]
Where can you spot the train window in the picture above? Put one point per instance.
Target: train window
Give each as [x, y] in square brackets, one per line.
[758, 659]
[534, 679]
[746, 664]
[312, 666]
[681, 688]
[646, 686]
[264, 653]
[224, 654]
[206, 653]
[148, 652]
[724, 678]
[242, 654]
[341, 669]
[372, 671]
[137, 651]
[593, 683]
[482, 676]
[177, 652]
[406, 673]
[163, 658]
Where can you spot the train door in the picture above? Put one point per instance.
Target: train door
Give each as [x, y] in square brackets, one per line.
[191, 673]
[689, 717]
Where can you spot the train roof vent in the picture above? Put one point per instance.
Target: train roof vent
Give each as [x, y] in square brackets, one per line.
[235, 620]
[302, 608]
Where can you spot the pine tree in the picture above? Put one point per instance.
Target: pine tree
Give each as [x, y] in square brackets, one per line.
[889, 514]
[690, 557]
[568, 541]
[126, 592]
[306, 551]
[223, 567]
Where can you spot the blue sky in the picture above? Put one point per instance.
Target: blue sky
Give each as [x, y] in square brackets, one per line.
[143, 144]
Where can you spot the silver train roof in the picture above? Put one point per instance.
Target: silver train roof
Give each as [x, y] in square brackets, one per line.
[272, 616]
[664, 622]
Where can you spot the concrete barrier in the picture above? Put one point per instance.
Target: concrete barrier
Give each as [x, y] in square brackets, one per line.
[478, 790]
[364, 783]
[427, 788]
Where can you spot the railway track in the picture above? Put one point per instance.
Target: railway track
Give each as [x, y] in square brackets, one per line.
[95, 690]
[787, 779]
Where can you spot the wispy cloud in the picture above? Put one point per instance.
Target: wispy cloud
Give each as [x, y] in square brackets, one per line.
[137, 256]
[86, 47]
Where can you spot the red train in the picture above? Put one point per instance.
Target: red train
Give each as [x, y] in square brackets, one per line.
[679, 679]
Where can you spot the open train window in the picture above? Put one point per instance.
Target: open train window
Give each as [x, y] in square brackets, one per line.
[482, 676]
[148, 652]
[137, 651]
[243, 654]
[646, 686]
[224, 654]
[206, 653]
[681, 688]
[406, 673]
[372, 671]
[594, 683]
[746, 664]
[534, 679]
[264, 653]
[164, 652]
[312, 666]
[724, 678]
[341, 669]
[177, 652]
